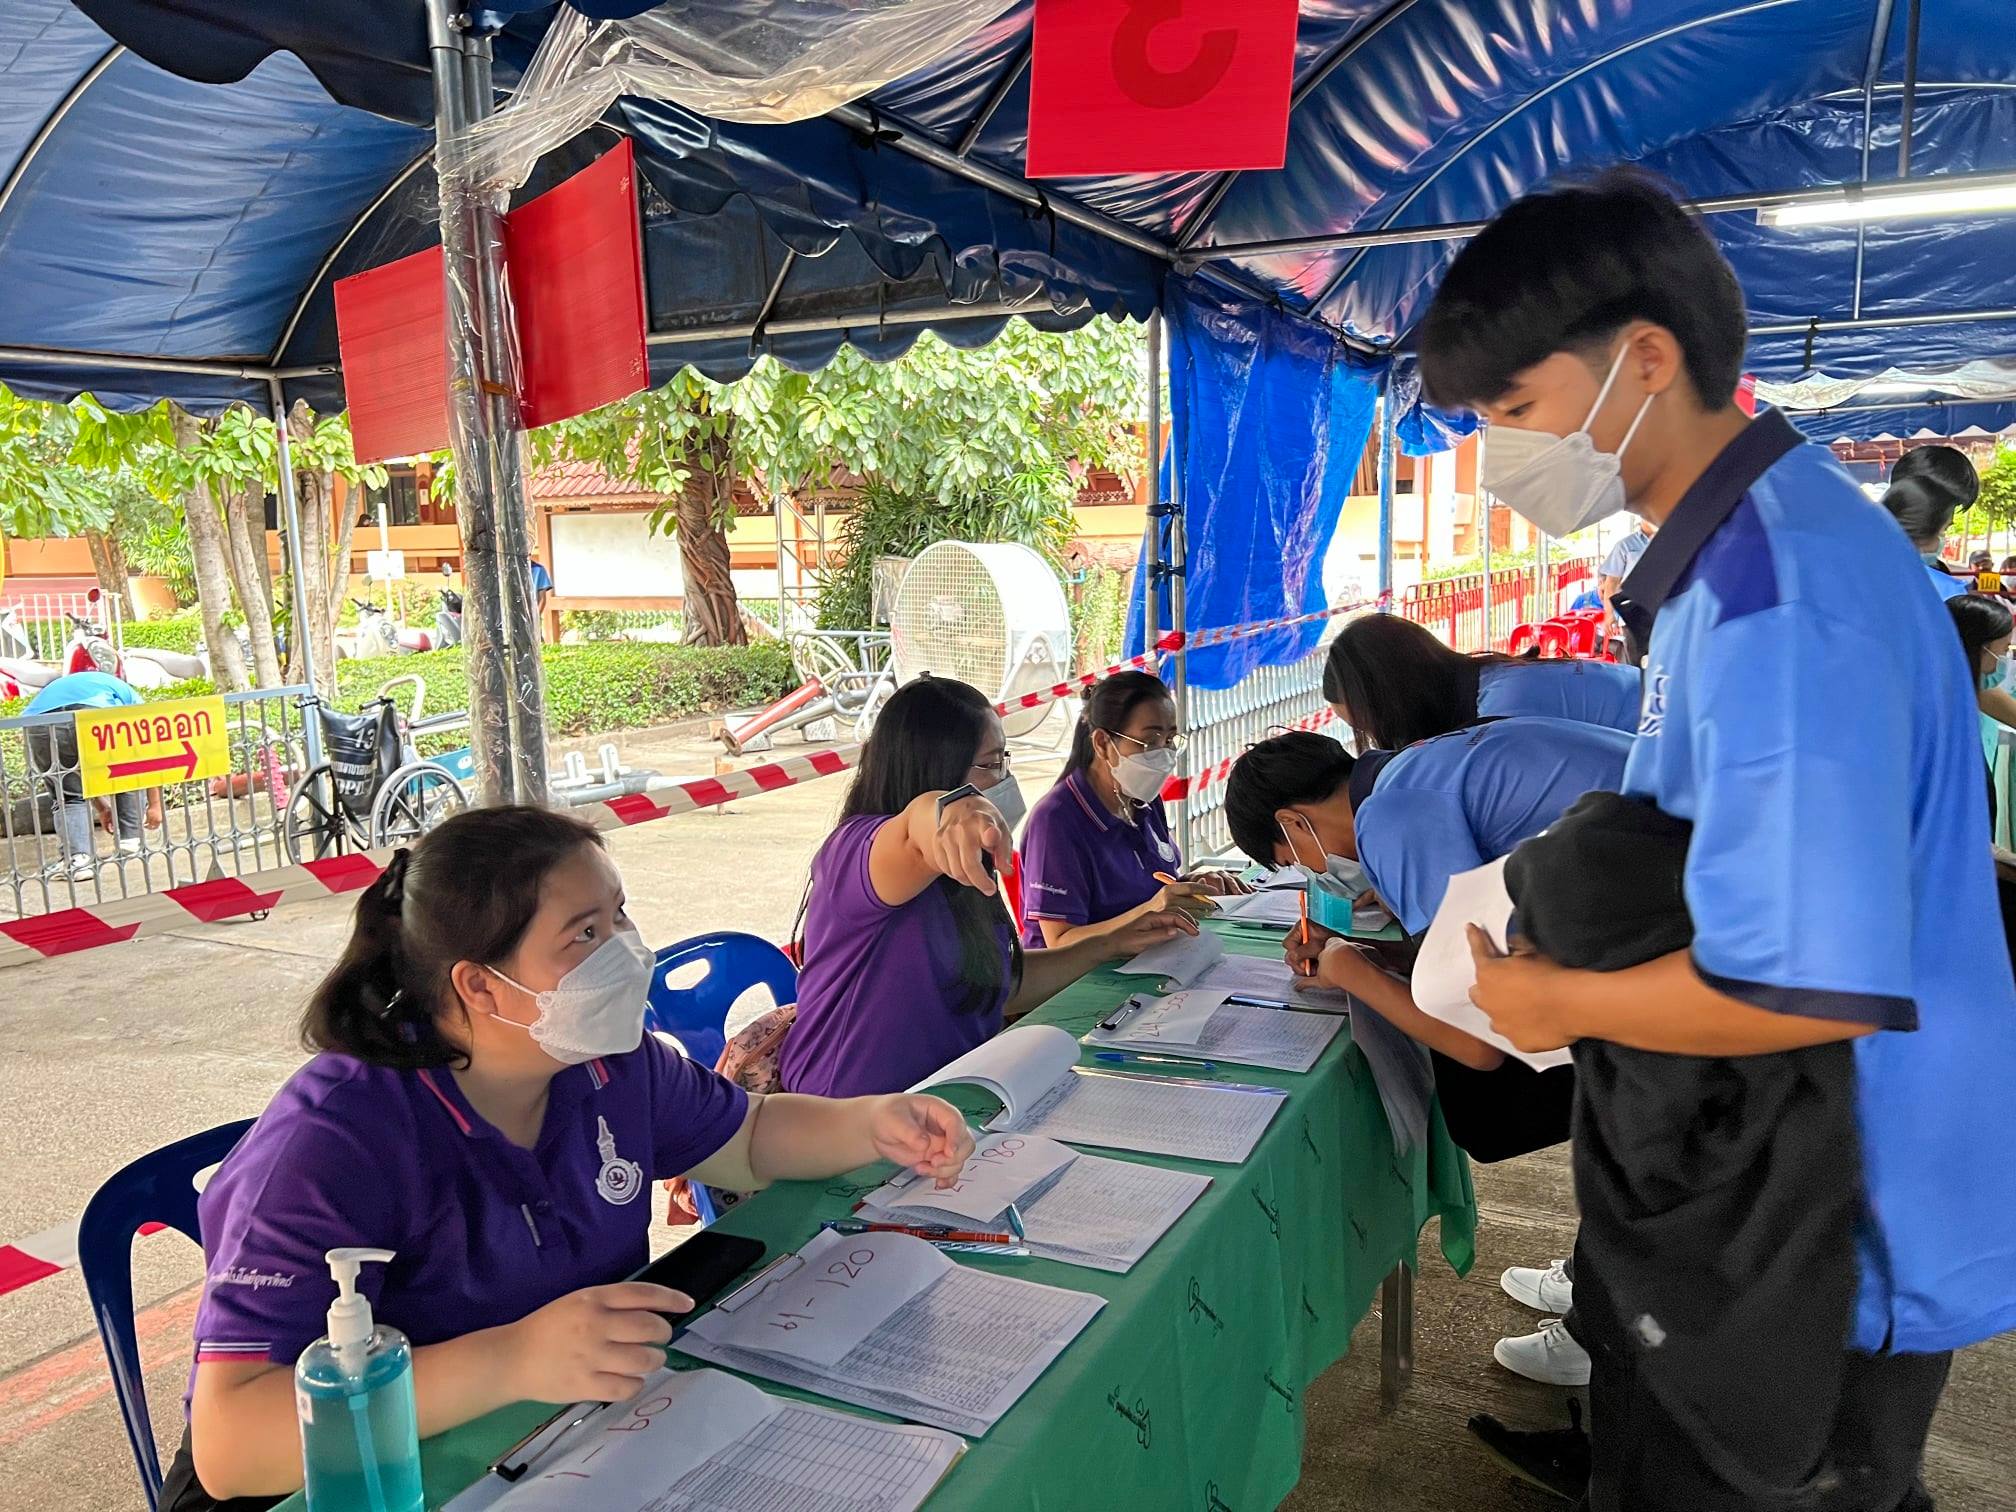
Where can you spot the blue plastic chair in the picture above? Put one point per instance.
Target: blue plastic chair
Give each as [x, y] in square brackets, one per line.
[697, 1016]
[159, 1187]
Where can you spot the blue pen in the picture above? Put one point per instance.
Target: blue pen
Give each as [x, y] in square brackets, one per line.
[1123, 1058]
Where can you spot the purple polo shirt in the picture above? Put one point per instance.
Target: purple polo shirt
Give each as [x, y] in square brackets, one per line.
[1080, 865]
[354, 1154]
[878, 1000]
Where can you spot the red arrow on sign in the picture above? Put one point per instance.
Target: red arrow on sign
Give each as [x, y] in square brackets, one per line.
[186, 761]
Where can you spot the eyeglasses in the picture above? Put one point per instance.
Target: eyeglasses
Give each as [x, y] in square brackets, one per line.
[996, 767]
[1159, 743]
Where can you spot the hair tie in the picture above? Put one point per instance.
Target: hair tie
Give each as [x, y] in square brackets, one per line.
[392, 881]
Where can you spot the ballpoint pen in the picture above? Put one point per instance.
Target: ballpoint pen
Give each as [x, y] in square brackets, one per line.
[1126, 1057]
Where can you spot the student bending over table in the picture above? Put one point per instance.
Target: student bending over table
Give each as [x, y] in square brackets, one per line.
[1394, 683]
[1413, 819]
[485, 1103]
[1096, 841]
[910, 957]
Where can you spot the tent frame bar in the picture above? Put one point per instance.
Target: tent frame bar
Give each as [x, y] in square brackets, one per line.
[817, 324]
[1884, 322]
[1463, 230]
[129, 362]
[55, 118]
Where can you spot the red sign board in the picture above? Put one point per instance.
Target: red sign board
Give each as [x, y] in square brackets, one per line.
[575, 262]
[576, 255]
[1746, 393]
[389, 327]
[1159, 86]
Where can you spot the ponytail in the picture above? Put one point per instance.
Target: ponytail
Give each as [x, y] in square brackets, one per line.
[467, 892]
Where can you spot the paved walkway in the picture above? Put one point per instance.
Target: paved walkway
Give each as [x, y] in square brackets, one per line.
[108, 1054]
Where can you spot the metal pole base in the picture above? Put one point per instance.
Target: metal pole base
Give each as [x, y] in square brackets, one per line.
[1396, 1336]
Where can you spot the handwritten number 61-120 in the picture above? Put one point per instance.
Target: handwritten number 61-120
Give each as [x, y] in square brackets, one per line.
[856, 1262]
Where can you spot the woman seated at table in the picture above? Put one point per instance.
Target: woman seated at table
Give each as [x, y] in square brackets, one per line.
[1394, 683]
[910, 957]
[485, 1103]
[1096, 841]
[1985, 626]
[1928, 486]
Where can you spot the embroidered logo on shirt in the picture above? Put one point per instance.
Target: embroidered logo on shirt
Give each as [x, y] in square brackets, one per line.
[1653, 716]
[1062, 892]
[619, 1181]
[1168, 850]
[258, 1280]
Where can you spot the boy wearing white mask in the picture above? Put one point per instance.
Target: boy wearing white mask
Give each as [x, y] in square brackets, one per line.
[1097, 845]
[1787, 1224]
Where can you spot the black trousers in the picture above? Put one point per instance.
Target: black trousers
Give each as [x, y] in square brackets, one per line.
[1514, 1110]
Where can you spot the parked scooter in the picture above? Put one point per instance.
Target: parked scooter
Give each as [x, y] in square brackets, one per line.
[448, 620]
[88, 650]
[377, 635]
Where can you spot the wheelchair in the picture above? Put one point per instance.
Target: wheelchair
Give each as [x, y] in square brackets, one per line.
[373, 788]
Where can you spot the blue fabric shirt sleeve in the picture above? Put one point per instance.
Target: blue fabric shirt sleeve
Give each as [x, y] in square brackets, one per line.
[1056, 872]
[1410, 844]
[1797, 872]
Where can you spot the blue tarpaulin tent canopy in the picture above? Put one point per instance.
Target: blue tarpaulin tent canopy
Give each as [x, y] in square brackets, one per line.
[181, 181]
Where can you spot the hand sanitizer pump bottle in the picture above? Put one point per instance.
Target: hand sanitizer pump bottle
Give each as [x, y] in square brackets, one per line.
[353, 1391]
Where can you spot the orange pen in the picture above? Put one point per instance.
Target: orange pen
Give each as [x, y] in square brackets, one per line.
[1302, 903]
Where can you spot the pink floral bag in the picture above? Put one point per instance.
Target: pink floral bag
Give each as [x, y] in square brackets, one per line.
[750, 1061]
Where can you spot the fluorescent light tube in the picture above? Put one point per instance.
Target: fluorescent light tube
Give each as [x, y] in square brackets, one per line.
[1895, 202]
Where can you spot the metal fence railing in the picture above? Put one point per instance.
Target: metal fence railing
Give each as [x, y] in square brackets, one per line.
[1454, 607]
[60, 849]
[37, 625]
[1222, 723]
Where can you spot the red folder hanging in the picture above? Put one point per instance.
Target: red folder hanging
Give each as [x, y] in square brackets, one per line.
[575, 270]
[1122, 86]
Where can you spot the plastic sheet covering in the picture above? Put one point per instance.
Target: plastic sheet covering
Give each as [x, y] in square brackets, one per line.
[765, 62]
[1424, 430]
[1269, 415]
[1987, 378]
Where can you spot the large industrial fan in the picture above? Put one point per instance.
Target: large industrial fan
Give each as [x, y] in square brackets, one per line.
[990, 615]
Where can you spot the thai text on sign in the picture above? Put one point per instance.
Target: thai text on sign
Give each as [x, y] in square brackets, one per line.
[151, 745]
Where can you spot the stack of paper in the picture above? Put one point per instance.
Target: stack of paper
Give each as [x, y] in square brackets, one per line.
[1270, 979]
[1204, 1025]
[1179, 960]
[703, 1441]
[1080, 1209]
[1033, 1070]
[1279, 908]
[956, 1352]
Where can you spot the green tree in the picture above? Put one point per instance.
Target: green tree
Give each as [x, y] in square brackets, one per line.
[1995, 508]
[986, 444]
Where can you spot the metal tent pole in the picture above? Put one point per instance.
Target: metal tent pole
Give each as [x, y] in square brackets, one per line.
[1484, 517]
[486, 648]
[290, 513]
[525, 670]
[1151, 609]
[1385, 421]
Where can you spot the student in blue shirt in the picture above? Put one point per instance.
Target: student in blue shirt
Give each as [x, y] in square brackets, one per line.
[1928, 487]
[1779, 1335]
[1394, 683]
[52, 752]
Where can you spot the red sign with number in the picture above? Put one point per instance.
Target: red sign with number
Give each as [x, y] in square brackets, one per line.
[1159, 86]
[390, 331]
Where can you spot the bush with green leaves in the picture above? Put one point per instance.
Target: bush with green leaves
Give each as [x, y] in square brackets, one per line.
[1099, 618]
[168, 632]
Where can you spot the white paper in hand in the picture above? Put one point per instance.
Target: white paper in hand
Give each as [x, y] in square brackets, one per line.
[1002, 1168]
[1445, 972]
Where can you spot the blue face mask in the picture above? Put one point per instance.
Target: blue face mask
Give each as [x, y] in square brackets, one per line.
[1996, 678]
[1332, 889]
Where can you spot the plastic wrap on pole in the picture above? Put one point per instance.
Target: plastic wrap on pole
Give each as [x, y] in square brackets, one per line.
[760, 61]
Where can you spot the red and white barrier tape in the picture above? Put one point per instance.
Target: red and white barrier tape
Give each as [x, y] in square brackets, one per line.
[44, 1254]
[69, 930]
[1177, 789]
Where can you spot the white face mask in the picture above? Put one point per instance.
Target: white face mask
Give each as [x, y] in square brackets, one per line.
[1560, 483]
[1341, 876]
[1006, 795]
[597, 1008]
[1141, 775]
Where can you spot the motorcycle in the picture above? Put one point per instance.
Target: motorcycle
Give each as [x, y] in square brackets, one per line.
[448, 620]
[377, 635]
[88, 650]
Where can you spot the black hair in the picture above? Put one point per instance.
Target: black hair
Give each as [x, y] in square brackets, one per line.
[1399, 682]
[1108, 705]
[1565, 269]
[1981, 619]
[1923, 505]
[924, 741]
[467, 892]
[1298, 766]
[1946, 467]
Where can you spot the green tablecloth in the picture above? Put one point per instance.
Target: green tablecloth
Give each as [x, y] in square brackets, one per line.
[1186, 1391]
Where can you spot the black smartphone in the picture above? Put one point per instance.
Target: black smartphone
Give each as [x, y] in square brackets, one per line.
[702, 1267]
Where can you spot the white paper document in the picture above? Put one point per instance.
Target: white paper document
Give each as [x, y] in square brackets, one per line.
[1445, 971]
[957, 1355]
[1269, 977]
[1278, 908]
[1179, 960]
[843, 1288]
[1244, 1033]
[1003, 1169]
[703, 1441]
[1149, 1021]
[1157, 1115]
[1088, 1210]
[1033, 1070]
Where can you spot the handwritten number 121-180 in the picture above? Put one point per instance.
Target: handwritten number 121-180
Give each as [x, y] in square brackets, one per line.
[850, 1269]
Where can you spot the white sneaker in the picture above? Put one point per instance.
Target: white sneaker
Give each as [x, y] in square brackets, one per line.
[130, 847]
[1550, 1356]
[81, 868]
[1547, 1291]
